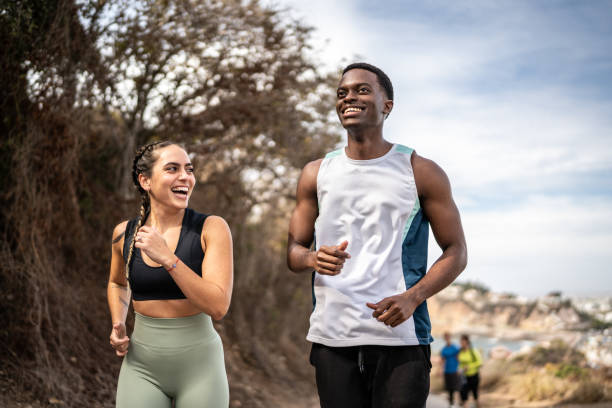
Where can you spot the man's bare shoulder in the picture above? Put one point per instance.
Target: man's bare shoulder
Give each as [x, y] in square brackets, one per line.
[429, 176]
[310, 171]
[423, 164]
[313, 166]
[307, 184]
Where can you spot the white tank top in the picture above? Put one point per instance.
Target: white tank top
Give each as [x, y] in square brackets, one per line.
[374, 205]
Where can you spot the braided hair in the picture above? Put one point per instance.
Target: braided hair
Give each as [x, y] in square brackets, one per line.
[143, 163]
[470, 347]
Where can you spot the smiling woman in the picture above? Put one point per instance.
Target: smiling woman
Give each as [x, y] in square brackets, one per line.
[158, 260]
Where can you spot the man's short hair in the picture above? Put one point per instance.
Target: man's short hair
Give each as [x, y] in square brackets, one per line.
[383, 79]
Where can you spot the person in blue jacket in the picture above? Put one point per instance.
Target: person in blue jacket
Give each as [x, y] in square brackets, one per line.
[452, 378]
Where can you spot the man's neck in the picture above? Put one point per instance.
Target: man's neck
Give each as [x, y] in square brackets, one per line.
[366, 144]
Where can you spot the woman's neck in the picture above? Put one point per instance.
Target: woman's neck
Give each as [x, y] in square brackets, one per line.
[163, 217]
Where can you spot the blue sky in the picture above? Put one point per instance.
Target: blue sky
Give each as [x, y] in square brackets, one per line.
[514, 100]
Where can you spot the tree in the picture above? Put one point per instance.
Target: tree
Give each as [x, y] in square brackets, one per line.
[82, 86]
[229, 78]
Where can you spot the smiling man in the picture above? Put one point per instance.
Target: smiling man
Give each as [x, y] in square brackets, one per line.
[368, 207]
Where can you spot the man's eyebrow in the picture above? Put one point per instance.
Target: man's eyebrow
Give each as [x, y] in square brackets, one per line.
[354, 85]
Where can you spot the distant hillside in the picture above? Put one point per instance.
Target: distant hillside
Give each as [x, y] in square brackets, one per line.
[475, 309]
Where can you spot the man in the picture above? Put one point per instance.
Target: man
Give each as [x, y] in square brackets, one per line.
[367, 207]
[452, 380]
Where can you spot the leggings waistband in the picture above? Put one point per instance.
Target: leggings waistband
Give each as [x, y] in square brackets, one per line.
[173, 332]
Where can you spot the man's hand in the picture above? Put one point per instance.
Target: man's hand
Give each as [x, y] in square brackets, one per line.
[329, 260]
[394, 310]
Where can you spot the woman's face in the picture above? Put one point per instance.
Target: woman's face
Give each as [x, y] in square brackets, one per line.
[172, 179]
[464, 344]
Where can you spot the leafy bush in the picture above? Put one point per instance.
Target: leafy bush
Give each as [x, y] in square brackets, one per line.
[570, 371]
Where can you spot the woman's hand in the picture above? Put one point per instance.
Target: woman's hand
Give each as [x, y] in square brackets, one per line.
[119, 340]
[149, 240]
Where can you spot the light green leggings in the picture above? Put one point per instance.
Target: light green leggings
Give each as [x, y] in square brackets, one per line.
[179, 359]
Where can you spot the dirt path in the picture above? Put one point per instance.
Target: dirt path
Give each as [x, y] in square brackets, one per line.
[436, 401]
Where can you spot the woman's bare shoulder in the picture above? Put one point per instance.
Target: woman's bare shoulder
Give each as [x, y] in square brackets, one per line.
[119, 232]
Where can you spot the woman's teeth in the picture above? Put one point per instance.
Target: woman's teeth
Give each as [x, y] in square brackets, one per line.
[180, 190]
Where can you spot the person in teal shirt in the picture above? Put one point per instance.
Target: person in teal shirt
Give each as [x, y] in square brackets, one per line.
[449, 355]
[469, 362]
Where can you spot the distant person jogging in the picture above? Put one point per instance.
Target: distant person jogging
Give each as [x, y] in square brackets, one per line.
[368, 207]
[452, 379]
[179, 267]
[469, 362]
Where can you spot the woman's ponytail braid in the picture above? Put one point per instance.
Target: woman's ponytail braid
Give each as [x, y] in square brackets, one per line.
[143, 164]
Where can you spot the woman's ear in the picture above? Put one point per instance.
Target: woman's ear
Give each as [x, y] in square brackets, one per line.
[144, 181]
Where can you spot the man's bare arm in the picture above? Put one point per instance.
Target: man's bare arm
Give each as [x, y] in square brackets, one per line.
[328, 260]
[441, 211]
[301, 226]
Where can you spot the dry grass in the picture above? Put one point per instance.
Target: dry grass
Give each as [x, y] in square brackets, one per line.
[493, 373]
[555, 383]
[538, 385]
[588, 391]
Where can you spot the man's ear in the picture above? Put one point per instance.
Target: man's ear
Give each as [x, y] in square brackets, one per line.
[144, 181]
[388, 108]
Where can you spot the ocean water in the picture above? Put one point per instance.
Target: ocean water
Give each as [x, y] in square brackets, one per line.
[485, 344]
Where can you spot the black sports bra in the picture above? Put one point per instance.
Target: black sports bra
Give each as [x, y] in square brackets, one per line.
[155, 283]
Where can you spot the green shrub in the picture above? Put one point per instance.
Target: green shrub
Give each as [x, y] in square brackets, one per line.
[570, 371]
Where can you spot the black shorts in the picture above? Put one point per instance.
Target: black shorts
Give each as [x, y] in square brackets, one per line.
[452, 381]
[372, 376]
[471, 384]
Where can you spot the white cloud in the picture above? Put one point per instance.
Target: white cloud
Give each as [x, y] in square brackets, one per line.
[541, 245]
[505, 96]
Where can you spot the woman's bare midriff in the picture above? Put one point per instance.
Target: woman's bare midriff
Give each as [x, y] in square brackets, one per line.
[166, 308]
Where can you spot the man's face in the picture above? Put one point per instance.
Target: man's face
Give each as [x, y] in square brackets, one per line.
[361, 102]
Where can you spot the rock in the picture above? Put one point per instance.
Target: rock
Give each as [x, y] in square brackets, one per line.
[500, 353]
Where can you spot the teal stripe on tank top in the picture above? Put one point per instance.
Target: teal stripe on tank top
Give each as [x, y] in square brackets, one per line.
[415, 209]
[414, 266]
[333, 154]
[403, 149]
[312, 279]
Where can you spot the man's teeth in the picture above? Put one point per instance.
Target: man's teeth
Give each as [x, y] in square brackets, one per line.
[352, 110]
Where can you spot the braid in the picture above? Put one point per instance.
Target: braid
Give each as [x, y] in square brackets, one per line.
[145, 166]
[143, 163]
[145, 209]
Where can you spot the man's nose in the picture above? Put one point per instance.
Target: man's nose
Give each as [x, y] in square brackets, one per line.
[350, 95]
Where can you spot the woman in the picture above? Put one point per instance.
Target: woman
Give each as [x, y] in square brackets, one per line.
[469, 363]
[177, 266]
